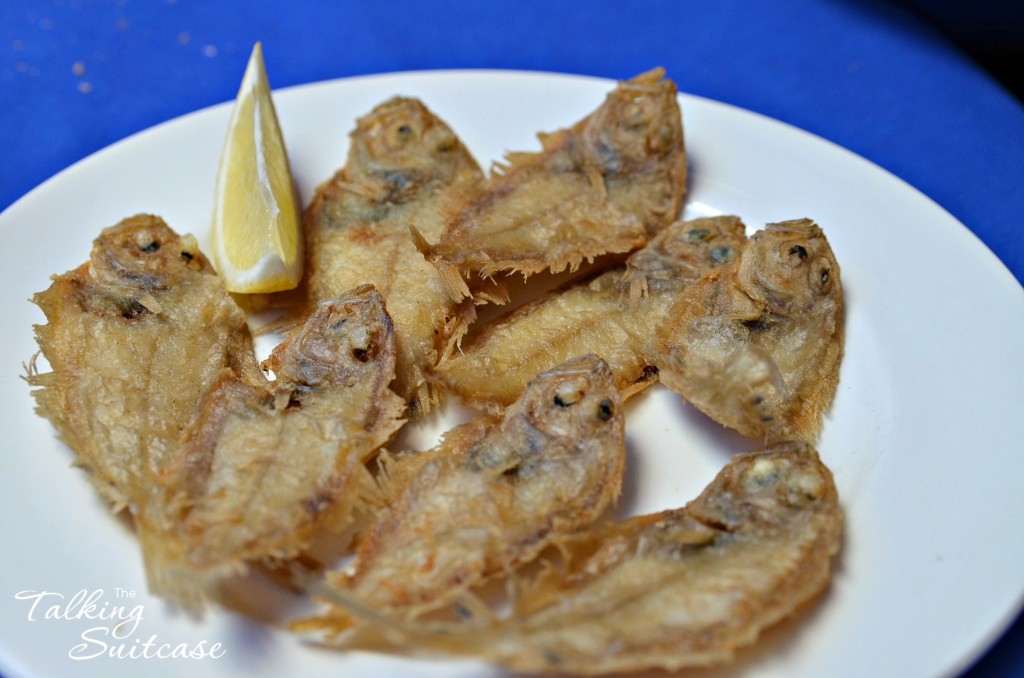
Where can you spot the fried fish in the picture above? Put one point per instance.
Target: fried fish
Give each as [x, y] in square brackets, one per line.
[134, 337]
[756, 344]
[614, 315]
[403, 164]
[602, 186]
[492, 495]
[681, 588]
[263, 464]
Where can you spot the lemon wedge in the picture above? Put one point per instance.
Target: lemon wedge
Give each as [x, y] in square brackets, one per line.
[256, 239]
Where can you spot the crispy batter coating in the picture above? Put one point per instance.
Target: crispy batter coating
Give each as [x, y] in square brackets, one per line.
[264, 464]
[757, 344]
[403, 163]
[134, 337]
[492, 495]
[681, 588]
[155, 387]
[614, 315]
[604, 185]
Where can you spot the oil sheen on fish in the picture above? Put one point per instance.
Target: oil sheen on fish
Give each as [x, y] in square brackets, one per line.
[265, 464]
[403, 163]
[134, 338]
[602, 186]
[681, 588]
[757, 344]
[614, 315]
[492, 495]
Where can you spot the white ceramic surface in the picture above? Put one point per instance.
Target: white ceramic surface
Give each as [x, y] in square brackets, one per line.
[924, 437]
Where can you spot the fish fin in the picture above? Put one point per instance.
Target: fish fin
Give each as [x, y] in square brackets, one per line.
[651, 77]
[456, 328]
[637, 281]
[596, 181]
[364, 626]
[170, 576]
[451, 280]
[394, 471]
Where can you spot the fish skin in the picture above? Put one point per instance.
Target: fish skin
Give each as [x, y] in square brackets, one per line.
[146, 309]
[613, 315]
[681, 588]
[492, 495]
[687, 587]
[757, 344]
[604, 185]
[266, 465]
[403, 164]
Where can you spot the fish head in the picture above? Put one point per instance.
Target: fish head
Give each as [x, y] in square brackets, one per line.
[404, 145]
[787, 475]
[341, 340]
[573, 400]
[790, 267]
[684, 250]
[770, 487]
[639, 120]
[144, 253]
[710, 241]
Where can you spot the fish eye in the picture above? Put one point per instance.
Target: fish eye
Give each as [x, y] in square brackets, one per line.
[360, 342]
[401, 134]
[696, 235]
[721, 254]
[799, 251]
[446, 142]
[825, 275]
[146, 242]
[605, 410]
[636, 113]
[565, 399]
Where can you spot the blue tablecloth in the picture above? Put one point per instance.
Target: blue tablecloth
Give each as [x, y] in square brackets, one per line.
[77, 75]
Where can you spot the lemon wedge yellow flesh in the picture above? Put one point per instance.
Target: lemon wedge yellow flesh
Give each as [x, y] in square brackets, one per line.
[256, 238]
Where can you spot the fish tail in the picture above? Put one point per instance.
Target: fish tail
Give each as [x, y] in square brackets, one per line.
[167, 575]
[650, 77]
[452, 281]
[370, 627]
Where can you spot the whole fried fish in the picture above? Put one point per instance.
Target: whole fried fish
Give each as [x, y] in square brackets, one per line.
[602, 186]
[403, 163]
[614, 315]
[264, 463]
[681, 588]
[492, 495]
[757, 344]
[134, 338]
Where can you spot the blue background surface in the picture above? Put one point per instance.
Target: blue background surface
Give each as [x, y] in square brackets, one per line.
[871, 76]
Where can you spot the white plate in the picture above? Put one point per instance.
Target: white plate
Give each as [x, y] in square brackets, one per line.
[924, 437]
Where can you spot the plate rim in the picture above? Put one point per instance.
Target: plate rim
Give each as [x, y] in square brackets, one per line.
[525, 73]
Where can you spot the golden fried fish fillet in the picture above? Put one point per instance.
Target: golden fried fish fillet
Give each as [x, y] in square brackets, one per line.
[403, 163]
[134, 337]
[681, 588]
[492, 495]
[614, 315]
[757, 344]
[602, 186]
[264, 463]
